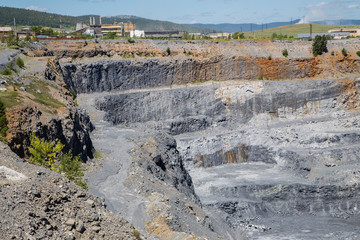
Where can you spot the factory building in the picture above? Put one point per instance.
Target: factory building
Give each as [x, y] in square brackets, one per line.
[100, 30]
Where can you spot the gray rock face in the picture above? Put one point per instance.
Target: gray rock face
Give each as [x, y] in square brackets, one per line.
[259, 151]
[273, 158]
[73, 131]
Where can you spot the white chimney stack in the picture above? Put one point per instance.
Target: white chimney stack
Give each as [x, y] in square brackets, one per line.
[94, 21]
[90, 21]
[100, 20]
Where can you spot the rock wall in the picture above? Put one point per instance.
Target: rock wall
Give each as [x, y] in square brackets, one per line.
[108, 75]
[72, 130]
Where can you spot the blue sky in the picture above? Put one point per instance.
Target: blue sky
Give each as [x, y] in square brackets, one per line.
[201, 11]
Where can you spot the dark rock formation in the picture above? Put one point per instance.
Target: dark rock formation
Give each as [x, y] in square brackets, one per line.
[107, 75]
[72, 130]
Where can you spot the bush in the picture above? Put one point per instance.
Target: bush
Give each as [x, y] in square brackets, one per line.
[44, 153]
[72, 168]
[344, 52]
[20, 63]
[6, 71]
[49, 155]
[111, 35]
[168, 51]
[358, 53]
[319, 45]
[285, 53]
[3, 121]
[332, 53]
[131, 40]
[270, 57]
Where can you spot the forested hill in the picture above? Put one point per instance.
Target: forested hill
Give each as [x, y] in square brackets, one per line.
[35, 18]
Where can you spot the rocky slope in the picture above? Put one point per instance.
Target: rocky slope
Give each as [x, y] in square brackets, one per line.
[36, 203]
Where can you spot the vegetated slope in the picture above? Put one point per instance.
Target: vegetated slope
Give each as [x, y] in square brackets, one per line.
[241, 27]
[33, 18]
[295, 29]
[147, 24]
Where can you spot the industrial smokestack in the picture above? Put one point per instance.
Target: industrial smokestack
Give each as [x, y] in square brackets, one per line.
[94, 21]
[90, 21]
[100, 20]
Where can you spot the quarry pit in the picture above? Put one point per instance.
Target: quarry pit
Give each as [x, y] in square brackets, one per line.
[217, 140]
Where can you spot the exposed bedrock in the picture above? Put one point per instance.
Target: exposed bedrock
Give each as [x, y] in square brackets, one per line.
[73, 130]
[107, 75]
[258, 150]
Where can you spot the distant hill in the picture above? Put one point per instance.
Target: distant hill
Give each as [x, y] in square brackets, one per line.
[339, 22]
[247, 27]
[294, 30]
[35, 18]
[242, 27]
[147, 24]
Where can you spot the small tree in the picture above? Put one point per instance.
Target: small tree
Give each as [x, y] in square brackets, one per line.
[344, 52]
[358, 53]
[319, 45]
[274, 36]
[49, 155]
[72, 168]
[44, 153]
[285, 53]
[20, 63]
[111, 35]
[168, 51]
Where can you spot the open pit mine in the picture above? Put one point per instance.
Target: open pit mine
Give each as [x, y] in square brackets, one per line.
[203, 139]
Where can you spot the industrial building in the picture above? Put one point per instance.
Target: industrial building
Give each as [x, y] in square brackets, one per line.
[352, 32]
[100, 30]
[163, 34]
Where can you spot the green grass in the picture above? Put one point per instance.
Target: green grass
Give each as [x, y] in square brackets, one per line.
[97, 155]
[294, 30]
[9, 98]
[44, 97]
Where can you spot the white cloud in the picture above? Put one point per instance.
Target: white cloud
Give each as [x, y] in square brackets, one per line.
[36, 8]
[332, 10]
[354, 6]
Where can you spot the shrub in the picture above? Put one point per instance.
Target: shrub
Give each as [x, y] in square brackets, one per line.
[344, 52]
[111, 35]
[358, 53]
[72, 168]
[49, 155]
[270, 57]
[20, 63]
[3, 121]
[6, 71]
[332, 53]
[131, 40]
[44, 153]
[285, 53]
[136, 234]
[319, 45]
[168, 51]
[274, 36]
